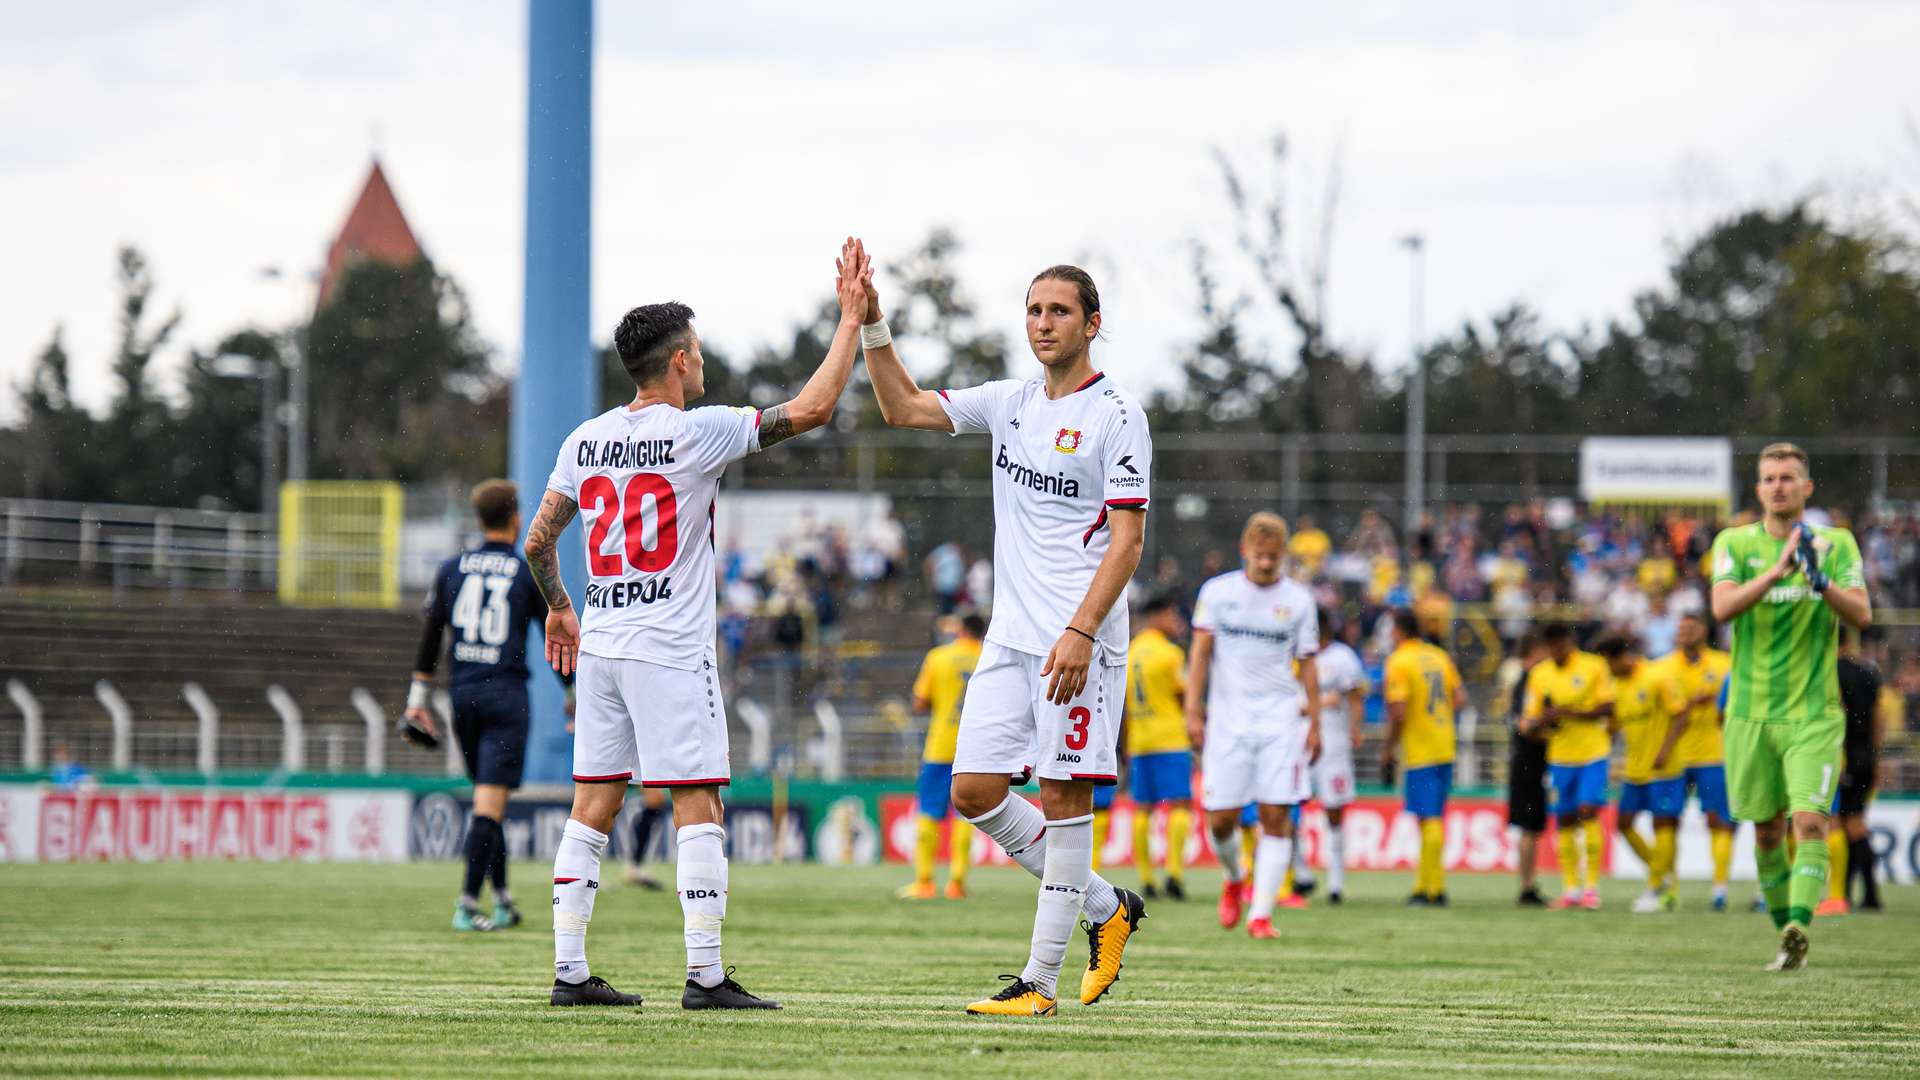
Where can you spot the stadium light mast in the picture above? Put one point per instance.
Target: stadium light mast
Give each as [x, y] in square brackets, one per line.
[559, 375]
[1416, 246]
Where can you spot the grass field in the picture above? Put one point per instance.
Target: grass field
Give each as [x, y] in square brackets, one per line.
[247, 969]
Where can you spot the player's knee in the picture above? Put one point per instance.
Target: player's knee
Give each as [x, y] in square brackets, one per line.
[972, 798]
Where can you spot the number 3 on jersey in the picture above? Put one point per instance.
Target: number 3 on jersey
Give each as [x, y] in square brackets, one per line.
[1077, 737]
[598, 493]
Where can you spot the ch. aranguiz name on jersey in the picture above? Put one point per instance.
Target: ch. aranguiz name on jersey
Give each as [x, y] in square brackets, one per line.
[625, 454]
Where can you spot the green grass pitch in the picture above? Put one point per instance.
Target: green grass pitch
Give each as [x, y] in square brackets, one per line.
[225, 969]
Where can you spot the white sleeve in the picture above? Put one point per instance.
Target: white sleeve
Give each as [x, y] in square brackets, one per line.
[1129, 461]
[1203, 609]
[974, 409]
[565, 478]
[1306, 636]
[719, 435]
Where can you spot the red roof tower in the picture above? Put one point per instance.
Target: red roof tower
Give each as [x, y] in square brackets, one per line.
[375, 229]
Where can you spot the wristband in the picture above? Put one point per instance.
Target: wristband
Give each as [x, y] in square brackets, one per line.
[1082, 633]
[420, 694]
[876, 335]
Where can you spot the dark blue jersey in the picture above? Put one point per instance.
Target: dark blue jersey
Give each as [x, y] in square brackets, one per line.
[488, 597]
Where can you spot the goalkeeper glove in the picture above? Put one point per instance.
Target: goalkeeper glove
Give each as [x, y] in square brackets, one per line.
[1809, 562]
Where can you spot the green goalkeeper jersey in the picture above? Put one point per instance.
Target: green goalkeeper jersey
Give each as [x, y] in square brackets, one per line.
[1785, 648]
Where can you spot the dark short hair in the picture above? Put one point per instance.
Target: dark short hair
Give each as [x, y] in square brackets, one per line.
[1078, 278]
[1528, 642]
[648, 336]
[974, 625]
[1329, 624]
[1156, 604]
[1405, 621]
[1697, 616]
[1556, 631]
[495, 502]
[1612, 646]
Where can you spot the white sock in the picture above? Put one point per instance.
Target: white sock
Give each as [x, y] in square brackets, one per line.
[1227, 850]
[1063, 890]
[1021, 831]
[1270, 859]
[576, 880]
[1336, 858]
[1302, 872]
[700, 874]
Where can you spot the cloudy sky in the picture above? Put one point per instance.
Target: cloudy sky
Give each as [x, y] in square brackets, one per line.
[1550, 153]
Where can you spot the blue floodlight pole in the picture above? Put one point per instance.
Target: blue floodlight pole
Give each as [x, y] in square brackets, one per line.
[556, 389]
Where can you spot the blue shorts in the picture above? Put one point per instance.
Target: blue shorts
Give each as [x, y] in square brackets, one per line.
[490, 719]
[1578, 786]
[1103, 796]
[1160, 778]
[1250, 815]
[1709, 785]
[1661, 798]
[1427, 790]
[935, 790]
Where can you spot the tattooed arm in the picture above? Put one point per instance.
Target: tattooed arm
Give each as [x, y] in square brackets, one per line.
[543, 561]
[813, 405]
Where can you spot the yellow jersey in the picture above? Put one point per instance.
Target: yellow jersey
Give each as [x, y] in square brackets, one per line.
[1644, 705]
[1422, 677]
[943, 684]
[1310, 549]
[1156, 695]
[1584, 683]
[1700, 744]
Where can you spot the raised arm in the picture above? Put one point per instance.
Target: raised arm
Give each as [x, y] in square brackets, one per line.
[813, 406]
[902, 402]
[543, 562]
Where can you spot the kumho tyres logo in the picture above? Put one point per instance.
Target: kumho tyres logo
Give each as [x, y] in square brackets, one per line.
[1067, 441]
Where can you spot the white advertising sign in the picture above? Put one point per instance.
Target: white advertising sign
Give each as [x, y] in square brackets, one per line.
[1656, 470]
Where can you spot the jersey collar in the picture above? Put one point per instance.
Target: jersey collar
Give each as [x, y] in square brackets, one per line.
[1094, 378]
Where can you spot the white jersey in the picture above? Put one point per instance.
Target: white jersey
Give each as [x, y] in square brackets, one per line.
[1258, 631]
[1340, 671]
[1058, 467]
[645, 482]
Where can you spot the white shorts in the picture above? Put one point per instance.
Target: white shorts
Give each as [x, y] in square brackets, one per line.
[1333, 777]
[665, 724]
[1268, 769]
[1007, 725]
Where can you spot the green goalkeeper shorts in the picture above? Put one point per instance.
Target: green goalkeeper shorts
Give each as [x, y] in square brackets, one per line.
[1775, 767]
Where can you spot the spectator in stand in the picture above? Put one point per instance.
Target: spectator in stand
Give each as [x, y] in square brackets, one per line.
[1309, 547]
[68, 774]
[946, 569]
[1372, 536]
[980, 585]
[1627, 610]
[886, 545]
[1432, 607]
[1657, 573]
[1661, 626]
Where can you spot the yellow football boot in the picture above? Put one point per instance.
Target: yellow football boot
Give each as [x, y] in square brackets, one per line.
[1106, 942]
[1019, 998]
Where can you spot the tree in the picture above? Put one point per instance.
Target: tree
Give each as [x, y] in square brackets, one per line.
[217, 456]
[54, 443]
[395, 374]
[1773, 322]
